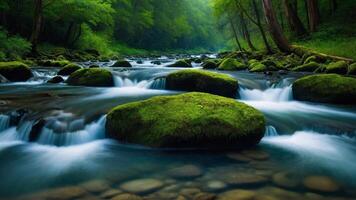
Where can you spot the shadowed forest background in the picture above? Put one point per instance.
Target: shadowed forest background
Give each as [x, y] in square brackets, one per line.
[112, 27]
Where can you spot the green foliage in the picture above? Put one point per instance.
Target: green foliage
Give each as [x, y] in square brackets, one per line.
[12, 47]
[232, 64]
[340, 67]
[309, 67]
[207, 120]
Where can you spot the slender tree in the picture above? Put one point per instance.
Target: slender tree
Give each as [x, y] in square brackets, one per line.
[291, 12]
[333, 6]
[313, 13]
[274, 27]
[37, 24]
[246, 32]
[234, 30]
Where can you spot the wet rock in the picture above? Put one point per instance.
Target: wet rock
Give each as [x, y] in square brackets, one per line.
[122, 63]
[94, 66]
[127, 197]
[239, 157]
[280, 193]
[15, 71]
[190, 192]
[110, 193]
[36, 130]
[215, 185]
[256, 154]
[96, 186]
[209, 64]
[231, 64]
[56, 79]
[181, 63]
[3, 79]
[142, 186]
[321, 184]
[186, 171]
[65, 193]
[139, 62]
[285, 179]
[205, 196]
[282, 72]
[156, 62]
[94, 77]
[68, 69]
[237, 195]
[241, 178]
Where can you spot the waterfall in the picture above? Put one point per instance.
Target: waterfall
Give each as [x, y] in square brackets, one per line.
[271, 131]
[271, 94]
[4, 122]
[20, 133]
[157, 83]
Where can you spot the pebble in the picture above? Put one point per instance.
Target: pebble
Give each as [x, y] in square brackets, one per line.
[140, 186]
[185, 172]
[96, 186]
[216, 185]
[204, 196]
[237, 194]
[321, 184]
[285, 179]
[110, 193]
[238, 178]
[239, 157]
[65, 193]
[189, 192]
[256, 155]
[127, 197]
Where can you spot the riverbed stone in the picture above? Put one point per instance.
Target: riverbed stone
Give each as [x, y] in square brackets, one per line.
[285, 179]
[65, 193]
[110, 193]
[96, 186]
[326, 88]
[256, 154]
[204, 196]
[215, 185]
[239, 157]
[185, 172]
[321, 184]
[15, 71]
[231, 64]
[181, 63]
[68, 69]
[127, 197]
[196, 120]
[53, 63]
[237, 194]
[202, 81]
[242, 178]
[142, 186]
[122, 63]
[94, 77]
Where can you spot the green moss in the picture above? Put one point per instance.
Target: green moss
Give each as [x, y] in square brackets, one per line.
[194, 120]
[209, 64]
[122, 63]
[202, 81]
[310, 59]
[68, 69]
[339, 67]
[15, 71]
[352, 69]
[231, 64]
[53, 63]
[181, 63]
[326, 88]
[258, 67]
[309, 67]
[91, 77]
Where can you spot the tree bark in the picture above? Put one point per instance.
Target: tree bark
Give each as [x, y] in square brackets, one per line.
[333, 6]
[260, 27]
[274, 27]
[37, 25]
[245, 32]
[235, 33]
[314, 15]
[293, 19]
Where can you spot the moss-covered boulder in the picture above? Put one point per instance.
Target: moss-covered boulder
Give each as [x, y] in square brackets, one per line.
[231, 64]
[53, 63]
[15, 71]
[56, 79]
[91, 77]
[202, 81]
[309, 67]
[352, 69]
[209, 64]
[311, 59]
[122, 63]
[340, 67]
[257, 67]
[191, 120]
[326, 88]
[181, 63]
[68, 69]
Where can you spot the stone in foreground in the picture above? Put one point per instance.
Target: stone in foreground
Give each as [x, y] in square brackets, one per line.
[91, 77]
[326, 88]
[142, 186]
[202, 81]
[191, 120]
[15, 71]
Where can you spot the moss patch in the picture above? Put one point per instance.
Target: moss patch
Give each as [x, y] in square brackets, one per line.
[196, 120]
[209, 64]
[352, 69]
[309, 67]
[257, 67]
[202, 81]
[122, 63]
[339, 67]
[91, 77]
[181, 63]
[326, 88]
[68, 69]
[231, 64]
[53, 63]
[15, 71]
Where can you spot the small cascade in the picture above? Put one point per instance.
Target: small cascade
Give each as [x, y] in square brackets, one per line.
[157, 84]
[271, 94]
[20, 133]
[4, 122]
[91, 132]
[271, 131]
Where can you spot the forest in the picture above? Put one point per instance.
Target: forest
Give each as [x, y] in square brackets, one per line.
[178, 99]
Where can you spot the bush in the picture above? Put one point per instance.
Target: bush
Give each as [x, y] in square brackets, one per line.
[12, 47]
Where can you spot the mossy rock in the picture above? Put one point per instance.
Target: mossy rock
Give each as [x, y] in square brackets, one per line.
[231, 64]
[68, 69]
[309, 67]
[91, 77]
[56, 79]
[352, 69]
[339, 67]
[181, 63]
[326, 88]
[190, 120]
[15, 71]
[202, 81]
[258, 67]
[310, 59]
[209, 64]
[122, 63]
[53, 63]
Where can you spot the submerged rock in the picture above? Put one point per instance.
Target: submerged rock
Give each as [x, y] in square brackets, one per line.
[122, 63]
[142, 186]
[186, 171]
[15, 71]
[68, 69]
[91, 77]
[202, 81]
[286, 179]
[321, 184]
[237, 194]
[181, 63]
[326, 88]
[56, 79]
[126, 197]
[194, 120]
[231, 64]
[244, 179]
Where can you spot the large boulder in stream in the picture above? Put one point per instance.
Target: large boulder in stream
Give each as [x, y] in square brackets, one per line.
[94, 77]
[122, 63]
[231, 64]
[68, 69]
[190, 120]
[181, 63]
[15, 71]
[202, 81]
[326, 88]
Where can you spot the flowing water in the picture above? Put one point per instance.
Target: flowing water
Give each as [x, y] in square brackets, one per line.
[69, 154]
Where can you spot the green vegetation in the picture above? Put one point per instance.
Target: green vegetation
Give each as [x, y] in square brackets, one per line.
[340, 67]
[308, 67]
[231, 64]
[202, 81]
[91, 77]
[15, 71]
[195, 120]
[326, 88]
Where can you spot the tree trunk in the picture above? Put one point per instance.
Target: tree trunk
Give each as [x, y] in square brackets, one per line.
[68, 33]
[274, 27]
[293, 19]
[37, 23]
[314, 15]
[235, 33]
[245, 32]
[333, 6]
[260, 27]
